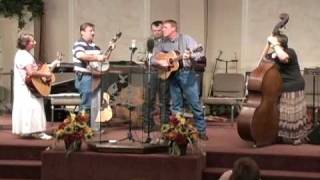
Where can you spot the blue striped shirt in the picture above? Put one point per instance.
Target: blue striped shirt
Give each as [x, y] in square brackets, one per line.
[88, 48]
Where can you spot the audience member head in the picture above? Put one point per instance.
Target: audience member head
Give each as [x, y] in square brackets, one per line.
[245, 169]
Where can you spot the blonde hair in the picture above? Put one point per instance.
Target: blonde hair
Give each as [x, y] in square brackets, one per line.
[172, 22]
[23, 40]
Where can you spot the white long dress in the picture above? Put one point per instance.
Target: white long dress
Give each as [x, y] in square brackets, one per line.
[28, 111]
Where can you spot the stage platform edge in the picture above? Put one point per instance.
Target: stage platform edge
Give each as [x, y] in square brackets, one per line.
[126, 147]
[120, 166]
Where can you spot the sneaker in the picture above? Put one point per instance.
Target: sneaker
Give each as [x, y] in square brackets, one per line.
[297, 142]
[159, 141]
[42, 136]
[25, 136]
[203, 136]
[98, 131]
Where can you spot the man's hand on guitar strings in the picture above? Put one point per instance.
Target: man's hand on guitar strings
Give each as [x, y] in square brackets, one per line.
[47, 76]
[100, 57]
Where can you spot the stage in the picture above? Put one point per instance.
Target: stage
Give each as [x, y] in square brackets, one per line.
[39, 159]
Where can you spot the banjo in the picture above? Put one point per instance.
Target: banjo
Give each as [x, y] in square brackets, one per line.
[101, 67]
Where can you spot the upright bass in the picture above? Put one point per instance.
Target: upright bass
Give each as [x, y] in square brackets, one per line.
[259, 118]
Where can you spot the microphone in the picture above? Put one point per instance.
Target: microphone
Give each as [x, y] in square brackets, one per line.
[220, 53]
[150, 45]
[218, 58]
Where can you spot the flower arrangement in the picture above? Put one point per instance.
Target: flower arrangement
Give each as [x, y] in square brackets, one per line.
[179, 132]
[73, 130]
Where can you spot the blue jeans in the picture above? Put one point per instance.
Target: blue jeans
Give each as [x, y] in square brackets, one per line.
[83, 84]
[153, 86]
[185, 83]
[199, 76]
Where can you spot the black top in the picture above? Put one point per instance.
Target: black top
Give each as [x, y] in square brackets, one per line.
[290, 72]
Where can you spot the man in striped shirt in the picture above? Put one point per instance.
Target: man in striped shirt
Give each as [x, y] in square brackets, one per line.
[85, 51]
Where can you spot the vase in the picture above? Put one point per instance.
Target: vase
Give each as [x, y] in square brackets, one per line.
[178, 149]
[73, 146]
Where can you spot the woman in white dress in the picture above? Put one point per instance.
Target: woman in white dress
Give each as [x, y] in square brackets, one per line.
[28, 117]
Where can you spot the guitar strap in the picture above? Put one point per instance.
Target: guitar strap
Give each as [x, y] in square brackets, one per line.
[180, 42]
[180, 48]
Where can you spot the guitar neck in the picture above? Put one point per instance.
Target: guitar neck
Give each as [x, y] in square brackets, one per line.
[111, 44]
[109, 50]
[54, 64]
[108, 53]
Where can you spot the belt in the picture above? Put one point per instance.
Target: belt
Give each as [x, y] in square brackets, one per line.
[82, 64]
[79, 73]
[182, 67]
[186, 68]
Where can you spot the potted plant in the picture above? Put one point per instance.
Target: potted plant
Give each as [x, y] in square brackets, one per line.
[179, 132]
[73, 130]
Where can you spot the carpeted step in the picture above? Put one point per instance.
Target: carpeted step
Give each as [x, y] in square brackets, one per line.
[18, 152]
[28, 169]
[5, 126]
[215, 173]
[281, 162]
[5, 122]
[19, 179]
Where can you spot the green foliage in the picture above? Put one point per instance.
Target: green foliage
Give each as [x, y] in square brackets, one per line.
[19, 8]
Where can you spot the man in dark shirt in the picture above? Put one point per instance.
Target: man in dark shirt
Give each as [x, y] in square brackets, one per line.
[154, 85]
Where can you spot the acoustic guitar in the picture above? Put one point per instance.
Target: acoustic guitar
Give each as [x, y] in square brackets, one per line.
[41, 86]
[172, 59]
[105, 114]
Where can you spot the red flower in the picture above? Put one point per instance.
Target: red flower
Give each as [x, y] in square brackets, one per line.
[61, 126]
[82, 117]
[173, 120]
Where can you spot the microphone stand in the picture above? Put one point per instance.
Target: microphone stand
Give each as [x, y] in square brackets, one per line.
[315, 120]
[130, 106]
[148, 139]
[227, 61]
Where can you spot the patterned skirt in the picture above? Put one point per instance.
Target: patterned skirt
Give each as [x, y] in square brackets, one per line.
[293, 117]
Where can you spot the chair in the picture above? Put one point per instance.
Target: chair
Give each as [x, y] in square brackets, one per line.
[312, 93]
[4, 98]
[63, 100]
[228, 89]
